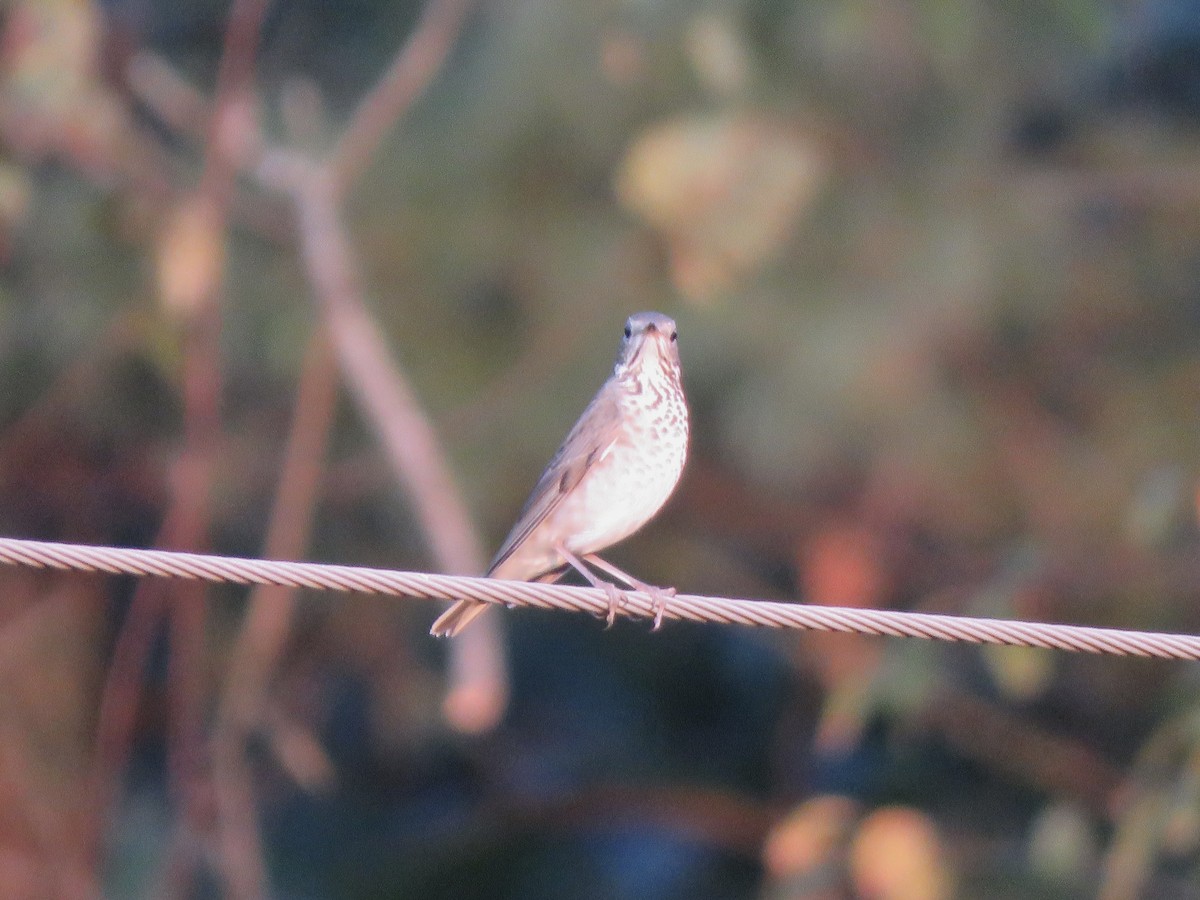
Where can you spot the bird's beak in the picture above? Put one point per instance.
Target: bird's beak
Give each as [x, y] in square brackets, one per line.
[656, 341]
[650, 338]
[661, 341]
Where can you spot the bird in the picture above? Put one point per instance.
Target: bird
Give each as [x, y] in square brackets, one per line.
[615, 470]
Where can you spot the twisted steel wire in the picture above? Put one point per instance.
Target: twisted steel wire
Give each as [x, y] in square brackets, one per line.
[636, 604]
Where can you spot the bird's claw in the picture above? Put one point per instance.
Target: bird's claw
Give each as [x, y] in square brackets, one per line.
[659, 597]
[616, 599]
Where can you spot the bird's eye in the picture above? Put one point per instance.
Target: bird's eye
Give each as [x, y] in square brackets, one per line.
[628, 332]
[674, 336]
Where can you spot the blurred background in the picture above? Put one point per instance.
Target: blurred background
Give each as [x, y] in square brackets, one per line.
[936, 268]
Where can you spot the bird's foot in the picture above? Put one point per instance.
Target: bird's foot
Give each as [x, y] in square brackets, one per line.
[616, 595]
[659, 596]
[616, 600]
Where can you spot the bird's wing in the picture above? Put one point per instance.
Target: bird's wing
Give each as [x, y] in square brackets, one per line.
[587, 443]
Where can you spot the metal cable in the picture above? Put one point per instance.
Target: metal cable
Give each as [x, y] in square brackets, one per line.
[691, 607]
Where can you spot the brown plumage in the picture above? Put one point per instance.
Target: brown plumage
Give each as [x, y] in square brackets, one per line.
[614, 471]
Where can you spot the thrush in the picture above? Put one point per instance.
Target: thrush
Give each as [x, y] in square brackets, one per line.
[615, 470]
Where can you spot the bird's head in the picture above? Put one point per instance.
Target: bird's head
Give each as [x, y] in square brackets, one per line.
[651, 339]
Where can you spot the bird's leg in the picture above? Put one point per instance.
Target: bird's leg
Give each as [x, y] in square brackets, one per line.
[659, 595]
[615, 595]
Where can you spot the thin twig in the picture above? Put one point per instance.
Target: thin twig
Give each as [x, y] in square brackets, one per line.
[266, 625]
[228, 125]
[478, 691]
[227, 128]
[409, 75]
[377, 384]
[119, 699]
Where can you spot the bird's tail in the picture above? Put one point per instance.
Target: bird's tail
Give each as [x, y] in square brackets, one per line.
[457, 617]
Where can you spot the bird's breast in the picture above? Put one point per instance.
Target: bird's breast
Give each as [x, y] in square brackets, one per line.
[633, 480]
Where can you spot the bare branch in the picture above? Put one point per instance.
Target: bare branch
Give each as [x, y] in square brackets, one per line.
[409, 75]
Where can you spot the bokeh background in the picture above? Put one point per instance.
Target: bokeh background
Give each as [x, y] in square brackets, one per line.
[936, 268]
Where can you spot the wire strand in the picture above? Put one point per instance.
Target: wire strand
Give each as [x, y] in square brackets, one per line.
[634, 604]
